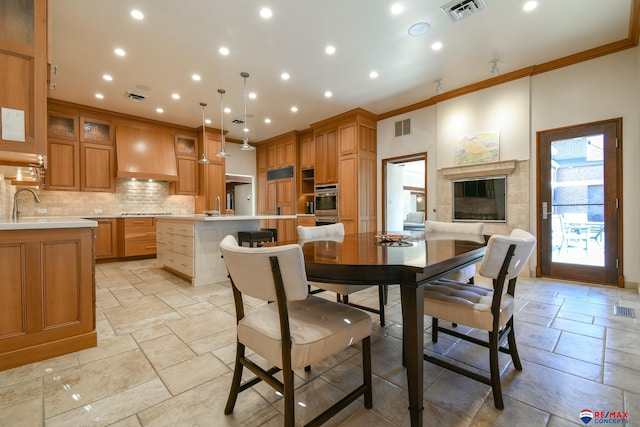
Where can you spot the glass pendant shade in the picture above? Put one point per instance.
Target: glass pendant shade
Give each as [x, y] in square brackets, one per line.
[222, 152]
[203, 159]
[245, 141]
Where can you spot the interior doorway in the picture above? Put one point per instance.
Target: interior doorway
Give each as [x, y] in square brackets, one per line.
[239, 194]
[580, 203]
[404, 192]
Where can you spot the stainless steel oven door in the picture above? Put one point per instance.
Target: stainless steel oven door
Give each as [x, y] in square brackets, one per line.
[326, 220]
[326, 203]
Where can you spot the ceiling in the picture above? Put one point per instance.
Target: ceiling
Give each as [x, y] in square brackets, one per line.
[177, 39]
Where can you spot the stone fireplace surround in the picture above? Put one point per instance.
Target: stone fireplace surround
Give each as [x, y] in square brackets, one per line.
[517, 172]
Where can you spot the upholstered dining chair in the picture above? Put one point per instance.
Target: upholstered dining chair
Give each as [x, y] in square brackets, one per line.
[488, 309]
[333, 231]
[295, 330]
[472, 231]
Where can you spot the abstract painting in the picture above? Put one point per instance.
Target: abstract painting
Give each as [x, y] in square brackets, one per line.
[480, 147]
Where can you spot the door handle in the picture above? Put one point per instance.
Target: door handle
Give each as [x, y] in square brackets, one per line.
[545, 212]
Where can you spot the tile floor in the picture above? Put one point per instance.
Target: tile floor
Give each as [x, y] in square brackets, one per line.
[165, 354]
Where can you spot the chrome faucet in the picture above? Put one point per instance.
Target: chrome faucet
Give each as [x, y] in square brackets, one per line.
[218, 205]
[16, 211]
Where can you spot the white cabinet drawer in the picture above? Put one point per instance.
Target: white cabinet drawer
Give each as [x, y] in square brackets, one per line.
[181, 244]
[179, 262]
[180, 229]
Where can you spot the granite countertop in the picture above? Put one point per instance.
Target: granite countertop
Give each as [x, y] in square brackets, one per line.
[38, 223]
[202, 217]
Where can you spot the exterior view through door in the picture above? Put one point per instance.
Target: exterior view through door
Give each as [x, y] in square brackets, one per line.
[579, 203]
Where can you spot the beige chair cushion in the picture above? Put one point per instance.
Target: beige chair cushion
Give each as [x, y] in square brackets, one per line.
[319, 329]
[465, 304]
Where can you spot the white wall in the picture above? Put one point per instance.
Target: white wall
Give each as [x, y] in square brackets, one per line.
[598, 89]
[421, 140]
[240, 162]
[503, 108]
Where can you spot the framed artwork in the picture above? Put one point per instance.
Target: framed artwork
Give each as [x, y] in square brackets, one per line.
[480, 147]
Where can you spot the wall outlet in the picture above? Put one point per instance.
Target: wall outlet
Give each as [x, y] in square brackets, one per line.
[97, 210]
[42, 210]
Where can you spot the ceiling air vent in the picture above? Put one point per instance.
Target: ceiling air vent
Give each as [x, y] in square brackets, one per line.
[136, 96]
[237, 122]
[456, 10]
[403, 127]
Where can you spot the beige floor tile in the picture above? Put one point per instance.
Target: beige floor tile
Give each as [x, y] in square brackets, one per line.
[515, 413]
[581, 347]
[131, 421]
[202, 325]
[214, 341]
[84, 384]
[147, 334]
[125, 293]
[175, 298]
[625, 341]
[23, 414]
[580, 328]
[166, 351]
[560, 362]
[536, 335]
[107, 347]
[191, 373]
[21, 392]
[37, 369]
[622, 377]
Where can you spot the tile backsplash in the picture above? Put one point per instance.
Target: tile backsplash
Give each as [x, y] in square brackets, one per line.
[130, 196]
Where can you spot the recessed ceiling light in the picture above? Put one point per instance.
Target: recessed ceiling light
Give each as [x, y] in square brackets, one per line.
[397, 9]
[419, 29]
[330, 50]
[208, 121]
[266, 13]
[530, 5]
[136, 14]
[294, 109]
[267, 120]
[436, 46]
[159, 110]
[328, 94]
[373, 74]
[224, 51]
[120, 52]
[285, 76]
[107, 77]
[196, 77]
[99, 96]
[227, 110]
[252, 95]
[175, 96]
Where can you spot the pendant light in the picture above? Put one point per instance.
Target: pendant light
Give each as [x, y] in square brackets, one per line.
[203, 159]
[222, 152]
[245, 141]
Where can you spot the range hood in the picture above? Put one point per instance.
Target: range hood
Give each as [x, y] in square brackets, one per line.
[145, 153]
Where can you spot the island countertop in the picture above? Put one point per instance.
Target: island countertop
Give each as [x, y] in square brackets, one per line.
[202, 217]
[35, 223]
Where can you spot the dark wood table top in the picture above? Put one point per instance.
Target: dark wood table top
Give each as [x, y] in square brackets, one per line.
[360, 258]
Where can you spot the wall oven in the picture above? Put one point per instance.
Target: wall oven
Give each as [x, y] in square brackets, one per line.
[326, 204]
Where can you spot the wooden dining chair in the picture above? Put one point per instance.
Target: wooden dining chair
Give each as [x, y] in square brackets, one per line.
[333, 231]
[488, 309]
[473, 231]
[295, 330]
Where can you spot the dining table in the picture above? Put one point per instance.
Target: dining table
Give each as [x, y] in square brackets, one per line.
[410, 261]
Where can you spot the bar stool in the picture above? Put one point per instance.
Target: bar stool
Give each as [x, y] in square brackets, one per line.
[255, 238]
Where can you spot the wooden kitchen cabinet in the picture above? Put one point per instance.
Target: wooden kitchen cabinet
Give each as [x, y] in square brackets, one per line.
[187, 165]
[48, 294]
[106, 238]
[97, 166]
[307, 151]
[63, 159]
[306, 220]
[326, 165]
[282, 154]
[96, 131]
[137, 236]
[23, 61]
[347, 203]
[211, 177]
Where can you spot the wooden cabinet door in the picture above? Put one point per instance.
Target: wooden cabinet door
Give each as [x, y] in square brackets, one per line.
[106, 238]
[23, 61]
[321, 162]
[284, 190]
[348, 194]
[13, 317]
[97, 131]
[272, 161]
[287, 153]
[307, 151]
[261, 157]
[98, 168]
[347, 136]
[187, 176]
[215, 186]
[271, 197]
[63, 171]
[331, 157]
[262, 192]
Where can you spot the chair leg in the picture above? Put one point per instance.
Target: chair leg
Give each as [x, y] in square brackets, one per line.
[366, 372]
[513, 349]
[381, 301]
[345, 299]
[494, 367]
[235, 382]
[434, 330]
[289, 401]
[307, 368]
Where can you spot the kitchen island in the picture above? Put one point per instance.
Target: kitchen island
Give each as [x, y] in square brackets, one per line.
[189, 245]
[47, 288]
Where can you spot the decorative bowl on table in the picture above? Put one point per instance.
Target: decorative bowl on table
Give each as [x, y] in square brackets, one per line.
[389, 238]
[211, 213]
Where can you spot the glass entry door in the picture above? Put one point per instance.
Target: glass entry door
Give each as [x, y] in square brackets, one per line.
[578, 212]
